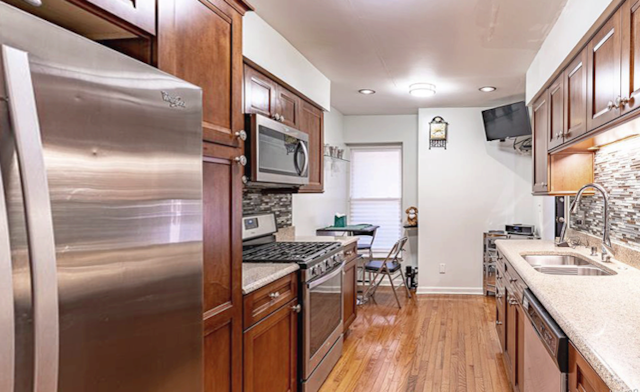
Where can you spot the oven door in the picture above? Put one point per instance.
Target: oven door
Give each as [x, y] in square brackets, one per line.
[280, 153]
[322, 320]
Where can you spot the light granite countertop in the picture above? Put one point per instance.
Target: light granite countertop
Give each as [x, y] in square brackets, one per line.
[258, 275]
[599, 314]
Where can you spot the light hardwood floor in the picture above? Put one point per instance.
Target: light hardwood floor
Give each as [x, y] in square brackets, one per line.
[435, 343]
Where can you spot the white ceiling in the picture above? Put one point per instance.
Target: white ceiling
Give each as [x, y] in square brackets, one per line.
[387, 45]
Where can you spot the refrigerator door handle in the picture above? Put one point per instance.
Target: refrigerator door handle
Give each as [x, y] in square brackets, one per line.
[26, 128]
[7, 325]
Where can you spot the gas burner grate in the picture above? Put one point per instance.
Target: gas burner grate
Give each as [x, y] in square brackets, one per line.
[297, 252]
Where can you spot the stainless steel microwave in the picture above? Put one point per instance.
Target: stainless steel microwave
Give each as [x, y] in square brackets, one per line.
[278, 154]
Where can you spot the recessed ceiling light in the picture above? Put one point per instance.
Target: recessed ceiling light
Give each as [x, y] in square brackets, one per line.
[422, 90]
[487, 89]
[367, 91]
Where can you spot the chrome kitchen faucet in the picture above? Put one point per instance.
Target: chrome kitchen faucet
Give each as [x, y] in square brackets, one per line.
[607, 249]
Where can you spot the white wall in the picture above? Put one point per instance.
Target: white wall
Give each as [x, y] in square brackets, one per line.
[575, 20]
[402, 129]
[469, 188]
[266, 47]
[312, 211]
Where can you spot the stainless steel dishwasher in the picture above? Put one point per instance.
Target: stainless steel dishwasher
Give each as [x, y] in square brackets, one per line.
[546, 349]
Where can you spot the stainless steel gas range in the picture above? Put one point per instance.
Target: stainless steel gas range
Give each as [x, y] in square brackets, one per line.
[321, 291]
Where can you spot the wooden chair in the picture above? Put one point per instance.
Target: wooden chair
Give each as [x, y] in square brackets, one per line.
[391, 266]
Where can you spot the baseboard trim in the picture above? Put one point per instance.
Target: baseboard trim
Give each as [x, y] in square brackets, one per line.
[451, 290]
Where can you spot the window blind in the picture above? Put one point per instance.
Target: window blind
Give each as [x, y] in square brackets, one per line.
[376, 193]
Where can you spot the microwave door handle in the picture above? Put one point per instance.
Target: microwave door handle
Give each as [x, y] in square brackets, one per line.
[295, 160]
[7, 324]
[306, 158]
[26, 128]
[324, 279]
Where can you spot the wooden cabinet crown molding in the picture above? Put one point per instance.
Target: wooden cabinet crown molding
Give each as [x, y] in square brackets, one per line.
[240, 5]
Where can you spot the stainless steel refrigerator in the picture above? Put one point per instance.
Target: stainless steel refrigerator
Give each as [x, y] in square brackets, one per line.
[100, 218]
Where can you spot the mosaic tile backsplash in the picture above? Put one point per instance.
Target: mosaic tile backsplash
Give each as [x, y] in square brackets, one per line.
[617, 168]
[256, 202]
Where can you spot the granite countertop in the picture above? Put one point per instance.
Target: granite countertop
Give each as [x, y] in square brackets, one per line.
[600, 314]
[258, 275]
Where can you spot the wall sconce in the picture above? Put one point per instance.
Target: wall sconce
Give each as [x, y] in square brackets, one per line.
[438, 133]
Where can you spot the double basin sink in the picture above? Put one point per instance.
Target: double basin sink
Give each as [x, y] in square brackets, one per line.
[564, 265]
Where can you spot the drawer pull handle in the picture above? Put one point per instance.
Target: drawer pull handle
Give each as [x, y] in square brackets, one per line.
[274, 295]
[512, 280]
[498, 322]
[297, 308]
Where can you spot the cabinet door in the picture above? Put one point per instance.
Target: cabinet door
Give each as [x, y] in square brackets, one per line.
[575, 93]
[556, 114]
[501, 320]
[222, 282]
[603, 83]
[630, 56]
[350, 294]
[200, 41]
[259, 93]
[540, 132]
[512, 337]
[271, 353]
[288, 107]
[138, 13]
[582, 377]
[312, 122]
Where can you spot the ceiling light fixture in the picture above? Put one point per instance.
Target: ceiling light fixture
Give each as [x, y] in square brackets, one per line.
[367, 91]
[422, 90]
[487, 89]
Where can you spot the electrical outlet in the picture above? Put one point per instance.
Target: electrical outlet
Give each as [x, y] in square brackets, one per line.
[442, 268]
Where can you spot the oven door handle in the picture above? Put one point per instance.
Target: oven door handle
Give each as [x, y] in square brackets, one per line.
[324, 279]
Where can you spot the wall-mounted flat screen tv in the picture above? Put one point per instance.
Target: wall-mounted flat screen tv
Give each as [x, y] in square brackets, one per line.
[507, 121]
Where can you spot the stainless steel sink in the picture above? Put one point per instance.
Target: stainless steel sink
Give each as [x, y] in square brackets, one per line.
[564, 265]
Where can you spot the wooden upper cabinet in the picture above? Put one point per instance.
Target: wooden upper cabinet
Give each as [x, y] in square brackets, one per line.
[288, 107]
[630, 56]
[540, 131]
[556, 113]
[575, 93]
[582, 377]
[603, 82]
[138, 13]
[259, 93]
[200, 41]
[312, 122]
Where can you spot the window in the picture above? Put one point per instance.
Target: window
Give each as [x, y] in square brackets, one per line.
[376, 193]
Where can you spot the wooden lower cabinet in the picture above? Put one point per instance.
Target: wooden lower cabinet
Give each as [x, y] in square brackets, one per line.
[514, 353]
[582, 377]
[222, 281]
[271, 342]
[350, 284]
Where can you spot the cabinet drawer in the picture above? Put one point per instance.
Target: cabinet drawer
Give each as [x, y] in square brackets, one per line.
[351, 252]
[264, 301]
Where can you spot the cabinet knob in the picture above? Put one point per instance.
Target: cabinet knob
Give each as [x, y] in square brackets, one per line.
[276, 117]
[281, 118]
[498, 322]
[242, 135]
[274, 295]
[297, 308]
[620, 102]
[241, 160]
